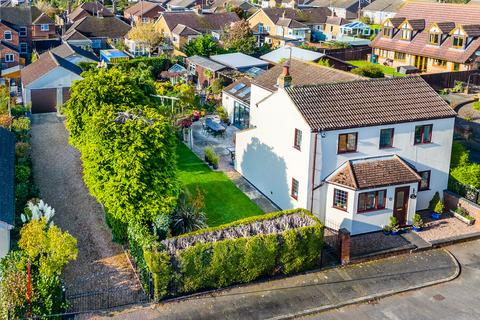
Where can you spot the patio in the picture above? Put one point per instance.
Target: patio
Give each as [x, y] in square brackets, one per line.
[447, 228]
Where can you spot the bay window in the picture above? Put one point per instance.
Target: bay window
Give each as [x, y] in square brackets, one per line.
[372, 200]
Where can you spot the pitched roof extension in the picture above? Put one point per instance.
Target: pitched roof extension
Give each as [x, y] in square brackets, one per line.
[374, 172]
[368, 103]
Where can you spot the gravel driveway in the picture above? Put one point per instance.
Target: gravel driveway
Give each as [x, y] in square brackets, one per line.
[101, 263]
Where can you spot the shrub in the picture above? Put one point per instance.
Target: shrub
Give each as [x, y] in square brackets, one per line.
[22, 173]
[436, 204]
[187, 217]
[393, 224]
[324, 62]
[242, 251]
[417, 220]
[21, 124]
[209, 154]
[22, 149]
[119, 228]
[22, 193]
[461, 211]
[157, 64]
[5, 120]
[476, 105]
[18, 110]
[369, 70]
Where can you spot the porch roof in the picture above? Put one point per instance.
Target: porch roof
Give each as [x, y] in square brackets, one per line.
[373, 173]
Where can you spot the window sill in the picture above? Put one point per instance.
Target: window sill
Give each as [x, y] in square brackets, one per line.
[294, 198]
[371, 211]
[297, 148]
[338, 208]
[346, 152]
[421, 143]
[420, 190]
[386, 148]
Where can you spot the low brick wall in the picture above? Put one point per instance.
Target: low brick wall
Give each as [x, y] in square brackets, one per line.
[453, 200]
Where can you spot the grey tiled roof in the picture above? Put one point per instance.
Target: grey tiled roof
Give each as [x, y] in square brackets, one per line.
[206, 63]
[368, 103]
[7, 176]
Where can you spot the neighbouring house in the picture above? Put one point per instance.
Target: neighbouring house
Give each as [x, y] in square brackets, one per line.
[96, 33]
[380, 10]
[347, 9]
[203, 71]
[175, 73]
[285, 53]
[332, 27]
[7, 189]
[9, 55]
[89, 9]
[240, 98]
[354, 153]
[279, 26]
[27, 29]
[74, 54]
[433, 37]
[239, 61]
[46, 82]
[216, 6]
[182, 27]
[182, 5]
[143, 12]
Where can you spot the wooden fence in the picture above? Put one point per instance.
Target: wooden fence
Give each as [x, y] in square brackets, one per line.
[443, 80]
[346, 54]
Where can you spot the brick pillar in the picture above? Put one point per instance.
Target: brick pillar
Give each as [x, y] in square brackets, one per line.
[344, 236]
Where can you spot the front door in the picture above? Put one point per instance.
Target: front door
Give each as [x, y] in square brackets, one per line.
[400, 206]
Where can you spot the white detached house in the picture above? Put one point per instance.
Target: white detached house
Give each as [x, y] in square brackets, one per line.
[354, 153]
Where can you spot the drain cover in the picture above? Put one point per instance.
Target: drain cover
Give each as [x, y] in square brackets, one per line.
[438, 297]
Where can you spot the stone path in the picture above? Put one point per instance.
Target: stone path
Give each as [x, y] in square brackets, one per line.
[101, 263]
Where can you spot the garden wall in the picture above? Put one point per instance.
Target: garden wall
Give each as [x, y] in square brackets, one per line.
[278, 243]
[453, 200]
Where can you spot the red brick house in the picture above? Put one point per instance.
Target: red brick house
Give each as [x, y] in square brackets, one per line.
[143, 12]
[86, 9]
[26, 29]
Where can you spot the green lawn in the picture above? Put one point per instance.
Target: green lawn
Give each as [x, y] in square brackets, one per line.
[386, 70]
[224, 202]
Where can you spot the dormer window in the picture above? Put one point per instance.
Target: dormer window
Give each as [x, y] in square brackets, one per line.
[388, 32]
[434, 38]
[458, 42]
[406, 34]
[7, 35]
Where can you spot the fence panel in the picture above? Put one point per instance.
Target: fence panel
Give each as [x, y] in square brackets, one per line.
[443, 80]
[346, 54]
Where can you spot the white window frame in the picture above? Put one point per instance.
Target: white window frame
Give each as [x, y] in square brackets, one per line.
[44, 27]
[9, 57]
[22, 32]
[10, 35]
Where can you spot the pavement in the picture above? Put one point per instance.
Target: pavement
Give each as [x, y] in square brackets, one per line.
[455, 300]
[308, 293]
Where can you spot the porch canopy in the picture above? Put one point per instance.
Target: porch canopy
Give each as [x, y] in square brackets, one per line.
[373, 173]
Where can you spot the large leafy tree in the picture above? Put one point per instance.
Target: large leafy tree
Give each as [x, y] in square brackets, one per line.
[100, 86]
[202, 46]
[239, 38]
[130, 164]
[147, 35]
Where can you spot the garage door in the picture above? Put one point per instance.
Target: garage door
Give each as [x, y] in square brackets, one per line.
[44, 100]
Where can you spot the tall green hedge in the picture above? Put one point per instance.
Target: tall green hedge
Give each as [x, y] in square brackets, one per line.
[229, 261]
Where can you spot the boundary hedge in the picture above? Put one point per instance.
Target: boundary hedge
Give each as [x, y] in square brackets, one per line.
[216, 264]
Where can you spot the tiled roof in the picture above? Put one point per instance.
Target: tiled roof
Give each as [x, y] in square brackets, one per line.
[45, 63]
[202, 23]
[384, 5]
[7, 176]
[374, 173]
[368, 103]
[183, 30]
[67, 50]
[461, 14]
[446, 27]
[290, 23]
[306, 16]
[303, 73]
[92, 9]
[338, 21]
[147, 6]
[94, 27]
[23, 16]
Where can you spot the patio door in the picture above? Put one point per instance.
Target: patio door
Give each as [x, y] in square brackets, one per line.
[421, 63]
[400, 205]
[241, 116]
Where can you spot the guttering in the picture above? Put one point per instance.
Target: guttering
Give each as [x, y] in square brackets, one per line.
[313, 171]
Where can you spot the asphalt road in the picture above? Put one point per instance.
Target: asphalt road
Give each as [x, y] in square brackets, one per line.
[455, 300]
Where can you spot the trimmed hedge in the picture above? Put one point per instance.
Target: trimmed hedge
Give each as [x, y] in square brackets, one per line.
[216, 264]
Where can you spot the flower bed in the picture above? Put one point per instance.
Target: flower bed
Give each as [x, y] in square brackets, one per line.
[245, 250]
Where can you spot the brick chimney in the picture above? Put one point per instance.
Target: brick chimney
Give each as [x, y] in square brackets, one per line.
[284, 80]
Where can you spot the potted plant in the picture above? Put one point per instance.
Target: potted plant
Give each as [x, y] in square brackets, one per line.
[417, 223]
[215, 161]
[463, 215]
[386, 230]
[436, 206]
[208, 154]
[394, 227]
